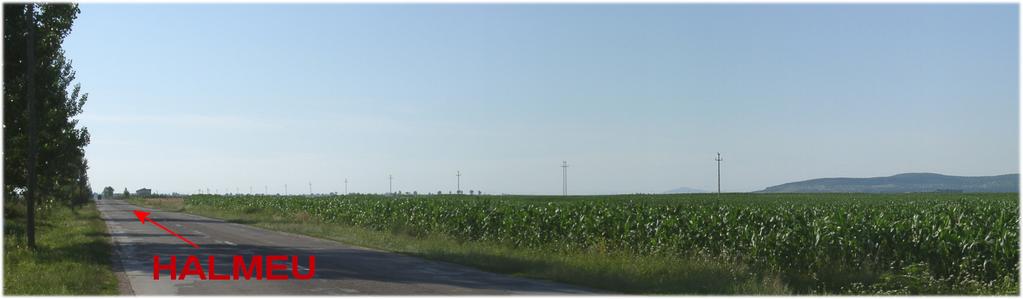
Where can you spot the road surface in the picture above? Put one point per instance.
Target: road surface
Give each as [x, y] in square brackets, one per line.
[340, 269]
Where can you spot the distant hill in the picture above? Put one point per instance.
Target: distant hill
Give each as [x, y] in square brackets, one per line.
[906, 182]
[684, 190]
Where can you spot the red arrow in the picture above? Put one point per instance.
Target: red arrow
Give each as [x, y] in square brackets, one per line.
[143, 216]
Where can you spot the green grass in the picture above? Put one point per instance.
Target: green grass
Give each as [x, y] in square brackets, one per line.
[73, 255]
[678, 244]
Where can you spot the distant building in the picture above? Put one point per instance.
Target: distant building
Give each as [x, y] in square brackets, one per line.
[143, 192]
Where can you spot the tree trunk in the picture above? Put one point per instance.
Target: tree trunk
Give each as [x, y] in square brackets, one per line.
[33, 135]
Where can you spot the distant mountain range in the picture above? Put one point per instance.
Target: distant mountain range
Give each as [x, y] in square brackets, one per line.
[906, 182]
[684, 190]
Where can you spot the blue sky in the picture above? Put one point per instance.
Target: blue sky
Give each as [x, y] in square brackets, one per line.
[637, 98]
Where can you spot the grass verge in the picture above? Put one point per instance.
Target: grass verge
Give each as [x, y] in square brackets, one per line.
[594, 269]
[73, 255]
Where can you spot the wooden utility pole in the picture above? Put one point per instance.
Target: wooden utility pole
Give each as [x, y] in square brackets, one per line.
[31, 191]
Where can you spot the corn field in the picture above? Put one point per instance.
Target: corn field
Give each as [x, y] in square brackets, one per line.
[958, 237]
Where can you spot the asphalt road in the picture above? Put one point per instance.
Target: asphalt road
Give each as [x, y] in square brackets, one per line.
[340, 269]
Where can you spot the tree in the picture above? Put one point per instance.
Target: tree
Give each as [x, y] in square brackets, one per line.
[126, 193]
[44, 148]
[108, 192]
[80, 190]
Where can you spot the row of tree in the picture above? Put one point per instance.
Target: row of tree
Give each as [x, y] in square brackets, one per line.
[44, 146]
[108, 193]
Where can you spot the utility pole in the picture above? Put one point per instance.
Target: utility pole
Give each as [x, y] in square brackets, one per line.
[564, 178]
[390, 183]
[346, 186]
[719, 172]
[458, 187]
[33, 136]
[285, 189]
[310, 188]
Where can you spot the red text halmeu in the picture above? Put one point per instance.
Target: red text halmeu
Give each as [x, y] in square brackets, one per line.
[258, 268]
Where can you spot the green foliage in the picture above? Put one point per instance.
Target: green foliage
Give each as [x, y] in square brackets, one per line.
[108, 192]
[818, 243]
[61, 164]
[73, 257]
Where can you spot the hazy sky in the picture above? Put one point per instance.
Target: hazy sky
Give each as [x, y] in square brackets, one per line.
[637, 98]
